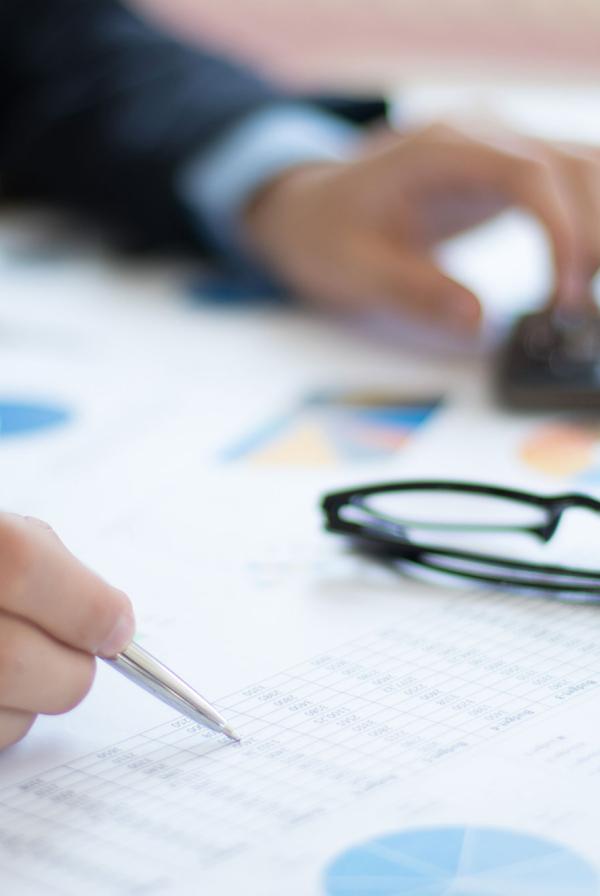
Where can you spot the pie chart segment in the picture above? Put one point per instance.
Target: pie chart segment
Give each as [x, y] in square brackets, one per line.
[459, 861]
[26, 418]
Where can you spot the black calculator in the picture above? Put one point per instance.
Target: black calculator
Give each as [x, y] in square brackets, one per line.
[551, 360]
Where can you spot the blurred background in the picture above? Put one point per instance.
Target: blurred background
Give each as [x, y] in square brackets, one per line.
[533, 64]
[372, 44]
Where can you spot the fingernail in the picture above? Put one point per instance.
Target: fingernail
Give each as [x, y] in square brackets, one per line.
[120, 636]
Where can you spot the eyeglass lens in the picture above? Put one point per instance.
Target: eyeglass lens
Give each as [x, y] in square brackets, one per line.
[442, 509]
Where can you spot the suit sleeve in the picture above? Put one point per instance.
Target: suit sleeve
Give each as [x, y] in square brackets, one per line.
[99, 110]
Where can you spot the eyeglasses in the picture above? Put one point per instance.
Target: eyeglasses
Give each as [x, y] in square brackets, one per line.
[436, 525]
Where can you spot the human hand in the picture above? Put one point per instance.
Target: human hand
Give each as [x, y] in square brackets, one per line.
[363, 233]
[55, 617]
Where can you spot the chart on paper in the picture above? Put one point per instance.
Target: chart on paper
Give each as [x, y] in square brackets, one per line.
[442, 861]
[25, 418]
[329, 428]
[317, 737]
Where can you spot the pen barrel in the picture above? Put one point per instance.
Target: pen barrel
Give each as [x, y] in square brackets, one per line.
[147, 672]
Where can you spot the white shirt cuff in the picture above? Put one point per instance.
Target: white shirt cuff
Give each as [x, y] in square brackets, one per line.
[218, 184]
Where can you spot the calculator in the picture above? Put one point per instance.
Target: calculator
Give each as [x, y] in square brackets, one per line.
[551, 360]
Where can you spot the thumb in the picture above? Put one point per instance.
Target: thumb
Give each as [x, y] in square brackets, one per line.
[412, 281]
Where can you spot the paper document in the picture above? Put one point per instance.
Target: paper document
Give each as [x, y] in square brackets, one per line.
[359, 728]
[404, 716]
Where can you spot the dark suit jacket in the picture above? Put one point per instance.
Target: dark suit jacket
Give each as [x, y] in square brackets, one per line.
[98, 110]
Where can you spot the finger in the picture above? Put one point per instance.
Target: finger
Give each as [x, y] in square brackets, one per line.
[42, 582]
[413, 281]
[517, 171]
[14, 725]
[39, 674]
[580, 166]
[535, 186]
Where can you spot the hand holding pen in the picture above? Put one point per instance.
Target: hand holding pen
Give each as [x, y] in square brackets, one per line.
[56, 616]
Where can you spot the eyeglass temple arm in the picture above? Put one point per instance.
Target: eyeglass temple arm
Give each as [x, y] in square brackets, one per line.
[556, 506]
[574, 499]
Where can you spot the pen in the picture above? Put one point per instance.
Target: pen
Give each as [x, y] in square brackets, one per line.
[145, 670]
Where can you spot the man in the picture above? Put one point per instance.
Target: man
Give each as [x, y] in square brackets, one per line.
[169, 146]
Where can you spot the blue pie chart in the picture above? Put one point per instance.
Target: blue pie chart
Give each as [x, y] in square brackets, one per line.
[460, 861]
[26, 418]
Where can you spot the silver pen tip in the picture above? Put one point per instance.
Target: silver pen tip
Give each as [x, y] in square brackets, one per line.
[231, 734]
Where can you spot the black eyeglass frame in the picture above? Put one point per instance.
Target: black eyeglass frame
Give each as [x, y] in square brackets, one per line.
[381, 535]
